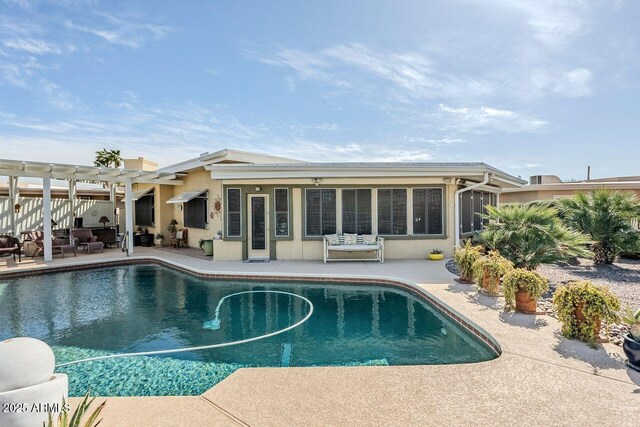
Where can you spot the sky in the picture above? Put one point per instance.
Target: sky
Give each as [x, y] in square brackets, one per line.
[529, 86]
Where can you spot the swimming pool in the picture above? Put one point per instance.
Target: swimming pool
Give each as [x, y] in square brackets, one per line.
[142, 308]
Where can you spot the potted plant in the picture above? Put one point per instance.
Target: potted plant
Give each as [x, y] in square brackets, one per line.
[488, 270]
[206, 245]
[218, 235]
[436, 255]
[582, 306]
[464, 258]
[631, 344]
[522, 288]
[159, 239]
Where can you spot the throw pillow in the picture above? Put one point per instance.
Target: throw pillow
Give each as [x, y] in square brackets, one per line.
[332, 239]
[369, 239]
[350, 239]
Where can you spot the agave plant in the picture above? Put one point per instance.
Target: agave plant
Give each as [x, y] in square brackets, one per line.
[633, 321]
[531, 234]
[607, 216]
[76, 418]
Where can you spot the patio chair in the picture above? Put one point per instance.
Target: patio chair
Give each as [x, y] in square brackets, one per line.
[58, 247]
[11, 245]
[84, 238]
[179, 238]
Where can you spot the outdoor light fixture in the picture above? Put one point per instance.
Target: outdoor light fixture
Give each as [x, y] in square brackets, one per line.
[17, 207]
[316, 181]
[258, 188]
[104, 220]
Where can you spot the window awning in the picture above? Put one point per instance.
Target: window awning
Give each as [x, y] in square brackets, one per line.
[140, 193]
[186, 196]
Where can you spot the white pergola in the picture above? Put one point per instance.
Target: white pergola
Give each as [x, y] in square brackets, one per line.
[15, 169]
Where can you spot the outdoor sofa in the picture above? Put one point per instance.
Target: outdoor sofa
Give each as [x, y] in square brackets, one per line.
[353, 243]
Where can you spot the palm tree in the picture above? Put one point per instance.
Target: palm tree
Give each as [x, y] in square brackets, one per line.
[531, 234]
[608, 217]
[108, 158]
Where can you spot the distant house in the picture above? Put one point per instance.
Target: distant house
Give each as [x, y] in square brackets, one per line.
[271, 207]
[550, 187]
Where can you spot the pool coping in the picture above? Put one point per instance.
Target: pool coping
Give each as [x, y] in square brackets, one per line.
[393, 282]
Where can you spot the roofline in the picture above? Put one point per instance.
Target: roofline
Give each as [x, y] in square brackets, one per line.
[582, 185]
[220, 155]
[357, 169]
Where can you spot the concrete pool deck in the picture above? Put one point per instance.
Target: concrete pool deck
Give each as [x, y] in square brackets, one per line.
[540, 379]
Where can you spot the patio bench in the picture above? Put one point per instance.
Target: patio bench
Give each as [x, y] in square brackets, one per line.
[353, 243]
[11, 245]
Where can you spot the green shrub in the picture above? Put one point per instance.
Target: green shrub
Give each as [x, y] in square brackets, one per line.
[465, 257]
[606, 216]
[598, 303]
[531, 234]
[78, 415]
[492, 267]
[521, 278]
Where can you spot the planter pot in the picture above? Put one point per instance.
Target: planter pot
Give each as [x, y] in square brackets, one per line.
[207, 247]
[580, 317]
[490, 286]
[524, 303]
[631, 349]
[146, 240]
[436, 257]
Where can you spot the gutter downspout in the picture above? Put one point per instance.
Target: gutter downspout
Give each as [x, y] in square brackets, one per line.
[487, 176]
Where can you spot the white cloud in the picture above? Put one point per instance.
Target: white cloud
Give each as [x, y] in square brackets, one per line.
[411, 72]
[122, 32]
[572, 83]
[34, 46]
[552, 22]
[485, 119]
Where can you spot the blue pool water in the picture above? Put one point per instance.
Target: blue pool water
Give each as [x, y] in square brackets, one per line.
[92, 313]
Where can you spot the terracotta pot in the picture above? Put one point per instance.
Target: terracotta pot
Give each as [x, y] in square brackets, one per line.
[524, 303]
[580, 317]
[489, 285]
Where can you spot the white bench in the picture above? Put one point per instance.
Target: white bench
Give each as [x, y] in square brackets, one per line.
[359, 246]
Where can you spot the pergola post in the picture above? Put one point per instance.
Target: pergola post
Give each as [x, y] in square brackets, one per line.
[46, 207]
[128, 211]
[73, 196]
[13, 197]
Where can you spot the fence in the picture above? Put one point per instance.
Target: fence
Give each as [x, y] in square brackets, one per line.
[31, 213]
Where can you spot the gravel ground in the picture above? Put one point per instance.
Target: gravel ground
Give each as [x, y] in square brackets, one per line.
[622, 277]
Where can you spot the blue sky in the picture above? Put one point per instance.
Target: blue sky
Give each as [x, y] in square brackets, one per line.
[530, 86]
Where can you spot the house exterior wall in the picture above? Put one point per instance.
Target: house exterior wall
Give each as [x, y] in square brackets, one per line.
[297, 246]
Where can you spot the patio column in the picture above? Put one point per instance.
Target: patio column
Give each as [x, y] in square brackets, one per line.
[128, 208]
[13, 197]
[46, 207]
[73, 193]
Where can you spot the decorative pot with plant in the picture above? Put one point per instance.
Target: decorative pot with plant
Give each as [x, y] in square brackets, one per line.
[631, 344]
[522, 288]
[436, 255]
[582, 306]
[218, 235]
[464, 258]
[206, 245]
[488, 270]
[159, 239]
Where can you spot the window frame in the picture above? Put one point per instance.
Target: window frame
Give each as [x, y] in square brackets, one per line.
[443, 212]
[153, 209]
[304, 213]
[276, 211]
[371, 200]
[228, 212]
[204, 196]
[377, 229]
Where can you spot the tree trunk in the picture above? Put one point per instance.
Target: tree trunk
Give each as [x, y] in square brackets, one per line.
[603, 253]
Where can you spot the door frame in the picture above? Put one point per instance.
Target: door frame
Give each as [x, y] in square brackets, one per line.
[259, 253]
